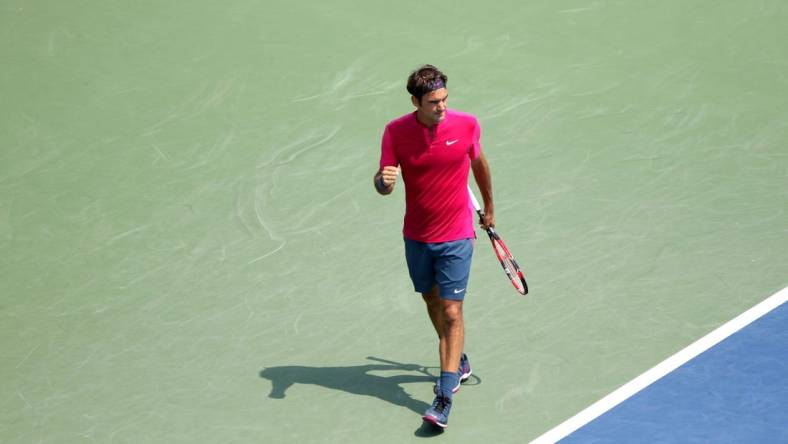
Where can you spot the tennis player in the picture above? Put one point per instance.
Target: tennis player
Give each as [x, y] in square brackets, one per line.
[435, 148]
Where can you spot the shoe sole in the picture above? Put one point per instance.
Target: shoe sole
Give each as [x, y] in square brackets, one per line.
[434, 421]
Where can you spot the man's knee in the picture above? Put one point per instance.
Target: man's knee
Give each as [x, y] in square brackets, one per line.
[452, 311]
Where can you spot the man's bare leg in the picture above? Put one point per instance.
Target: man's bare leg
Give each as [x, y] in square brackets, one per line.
[447, 319]
[435, 311]
[453, 336]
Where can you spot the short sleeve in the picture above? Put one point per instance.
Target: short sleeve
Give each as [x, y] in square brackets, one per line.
[387, 155]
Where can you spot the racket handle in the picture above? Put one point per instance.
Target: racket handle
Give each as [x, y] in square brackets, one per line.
[477, 207]
[475, 202]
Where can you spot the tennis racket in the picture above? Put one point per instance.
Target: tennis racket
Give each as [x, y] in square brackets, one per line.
[513, 271]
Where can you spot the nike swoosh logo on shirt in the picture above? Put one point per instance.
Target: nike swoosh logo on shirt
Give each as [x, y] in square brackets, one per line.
[452, 142]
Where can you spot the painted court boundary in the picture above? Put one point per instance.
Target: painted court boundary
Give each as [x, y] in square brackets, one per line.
[672, 363]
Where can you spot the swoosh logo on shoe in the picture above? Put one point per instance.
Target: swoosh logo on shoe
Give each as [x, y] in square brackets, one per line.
[452, 142]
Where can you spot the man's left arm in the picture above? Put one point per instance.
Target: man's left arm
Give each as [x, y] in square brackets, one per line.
[481, 172]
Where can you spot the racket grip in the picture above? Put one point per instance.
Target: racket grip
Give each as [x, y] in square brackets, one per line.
[476, 205]
[475, 202]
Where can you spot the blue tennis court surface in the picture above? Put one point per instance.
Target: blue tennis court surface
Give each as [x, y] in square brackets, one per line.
[734, 392]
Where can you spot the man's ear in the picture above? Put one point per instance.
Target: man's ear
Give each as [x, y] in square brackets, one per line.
[415, 101]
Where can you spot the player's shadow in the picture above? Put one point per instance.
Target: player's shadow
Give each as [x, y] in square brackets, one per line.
[356, 379]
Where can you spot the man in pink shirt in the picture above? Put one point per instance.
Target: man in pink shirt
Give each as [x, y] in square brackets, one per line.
[434, 148]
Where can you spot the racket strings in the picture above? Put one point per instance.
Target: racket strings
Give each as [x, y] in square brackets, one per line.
[509, 266]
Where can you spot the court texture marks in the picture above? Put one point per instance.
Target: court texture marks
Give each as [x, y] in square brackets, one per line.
[192, 250]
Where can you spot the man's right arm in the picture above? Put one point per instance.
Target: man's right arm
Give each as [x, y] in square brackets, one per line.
[386, 177]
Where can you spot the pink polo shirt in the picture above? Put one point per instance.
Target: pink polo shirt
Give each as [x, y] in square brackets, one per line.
[435, 164]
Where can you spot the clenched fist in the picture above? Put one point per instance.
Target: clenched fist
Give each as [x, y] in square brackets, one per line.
[389, 175]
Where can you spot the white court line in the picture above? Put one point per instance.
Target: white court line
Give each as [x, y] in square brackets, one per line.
[672, 363]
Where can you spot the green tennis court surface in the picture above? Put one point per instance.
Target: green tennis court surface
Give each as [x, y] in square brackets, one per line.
[193, 250]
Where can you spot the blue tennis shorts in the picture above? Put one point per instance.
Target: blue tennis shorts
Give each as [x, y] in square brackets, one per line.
[446, 264]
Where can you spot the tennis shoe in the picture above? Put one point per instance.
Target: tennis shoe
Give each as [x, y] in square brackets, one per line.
[438, 413]
[465, 368]
[464, 372]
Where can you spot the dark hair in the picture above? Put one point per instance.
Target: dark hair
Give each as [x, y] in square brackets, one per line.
[425, 79]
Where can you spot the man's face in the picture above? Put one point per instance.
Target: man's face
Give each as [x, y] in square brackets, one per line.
[432, 108]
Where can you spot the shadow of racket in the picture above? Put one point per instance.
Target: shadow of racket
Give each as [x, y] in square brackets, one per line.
[428, 371]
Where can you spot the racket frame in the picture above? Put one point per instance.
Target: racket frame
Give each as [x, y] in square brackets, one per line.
[495, 239]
